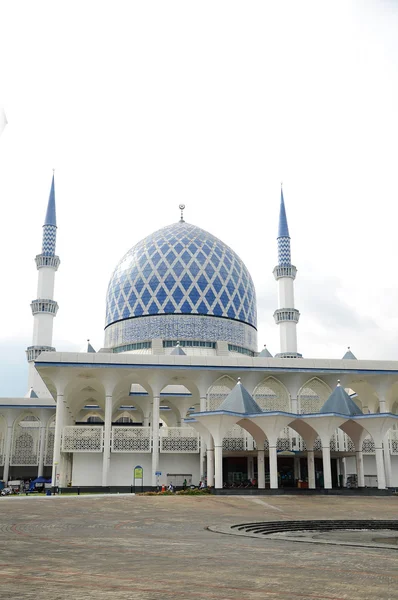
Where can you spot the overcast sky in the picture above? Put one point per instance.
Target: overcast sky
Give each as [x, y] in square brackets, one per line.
[141, 106]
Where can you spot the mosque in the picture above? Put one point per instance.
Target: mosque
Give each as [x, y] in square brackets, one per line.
[180, 391]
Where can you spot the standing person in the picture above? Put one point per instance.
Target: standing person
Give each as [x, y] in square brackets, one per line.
[184, 485]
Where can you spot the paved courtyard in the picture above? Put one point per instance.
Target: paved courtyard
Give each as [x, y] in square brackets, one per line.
[159, 548]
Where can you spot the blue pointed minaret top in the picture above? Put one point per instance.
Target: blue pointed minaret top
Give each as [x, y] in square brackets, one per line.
[283, 230]
[51, 217]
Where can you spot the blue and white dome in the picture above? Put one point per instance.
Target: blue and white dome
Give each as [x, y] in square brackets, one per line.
[180, 270]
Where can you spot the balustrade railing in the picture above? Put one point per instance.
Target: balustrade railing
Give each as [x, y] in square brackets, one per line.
[78, 438]
[184, 440]
[179, 439]
[131, 439]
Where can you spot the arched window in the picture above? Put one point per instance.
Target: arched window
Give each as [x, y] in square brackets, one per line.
[313, 396]
[3, 431]
[95, 419]
[124, 420]
[271, 395]
[218, 392]
[25, 442]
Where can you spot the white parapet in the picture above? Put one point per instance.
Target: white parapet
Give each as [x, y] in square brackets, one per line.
[131, 439]
[179, 439]
[80, 438]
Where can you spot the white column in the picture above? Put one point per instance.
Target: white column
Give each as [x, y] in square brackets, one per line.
[294, 405]
[273, 468]
[383, 407]
[327, 471]
[155, 438]
[311, 469]
[7, 456]
[261, 469]
[202, 407]
[210, 463]
[59, 422]
[387, 460]
[381, 478]
[360, 471]
[42, 446]
[145, 422]
[106, 459]
[218, 465]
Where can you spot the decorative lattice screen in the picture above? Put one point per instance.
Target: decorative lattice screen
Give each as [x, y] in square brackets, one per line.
[348, 443]
[3, 431]
[234, 439]
[312, 397]
[179, 439]
[393, 435]
[2, 448]
[131, 439]
[284, 442]
[25, 442]
[82, 439]
[368, 446]
[217, 394]
[272, 396]
[49, 449]
[334, 444]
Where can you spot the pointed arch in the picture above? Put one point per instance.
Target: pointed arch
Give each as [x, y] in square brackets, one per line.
[271, 395]
[312, 396]
[90, 416]
[25, 440]
[218, 391]
[3, 433]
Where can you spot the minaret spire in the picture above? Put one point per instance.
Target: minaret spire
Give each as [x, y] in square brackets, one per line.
[286, 316]
[44, 308]
[283, 235]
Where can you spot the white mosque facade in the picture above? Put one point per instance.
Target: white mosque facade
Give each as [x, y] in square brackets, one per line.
[181, 391]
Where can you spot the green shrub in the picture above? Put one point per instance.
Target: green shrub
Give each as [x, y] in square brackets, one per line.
[179, 493]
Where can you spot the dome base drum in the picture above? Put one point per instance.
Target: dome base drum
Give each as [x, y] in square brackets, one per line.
[181, 327]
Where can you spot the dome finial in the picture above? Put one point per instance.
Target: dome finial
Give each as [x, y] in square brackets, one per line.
[182, 207]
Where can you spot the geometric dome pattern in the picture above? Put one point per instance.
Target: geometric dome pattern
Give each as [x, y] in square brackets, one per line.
[181, 269]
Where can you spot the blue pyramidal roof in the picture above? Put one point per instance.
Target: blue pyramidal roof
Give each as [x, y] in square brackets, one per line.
[283, 230]
[51, 218]
[239, 400]
[349, 355]
[340, 402]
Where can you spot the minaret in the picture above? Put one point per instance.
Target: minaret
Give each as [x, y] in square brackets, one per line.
[286, 316]
[44, 308]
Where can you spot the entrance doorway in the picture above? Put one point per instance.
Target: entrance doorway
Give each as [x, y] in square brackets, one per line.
[286, 472]
[234, 469]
